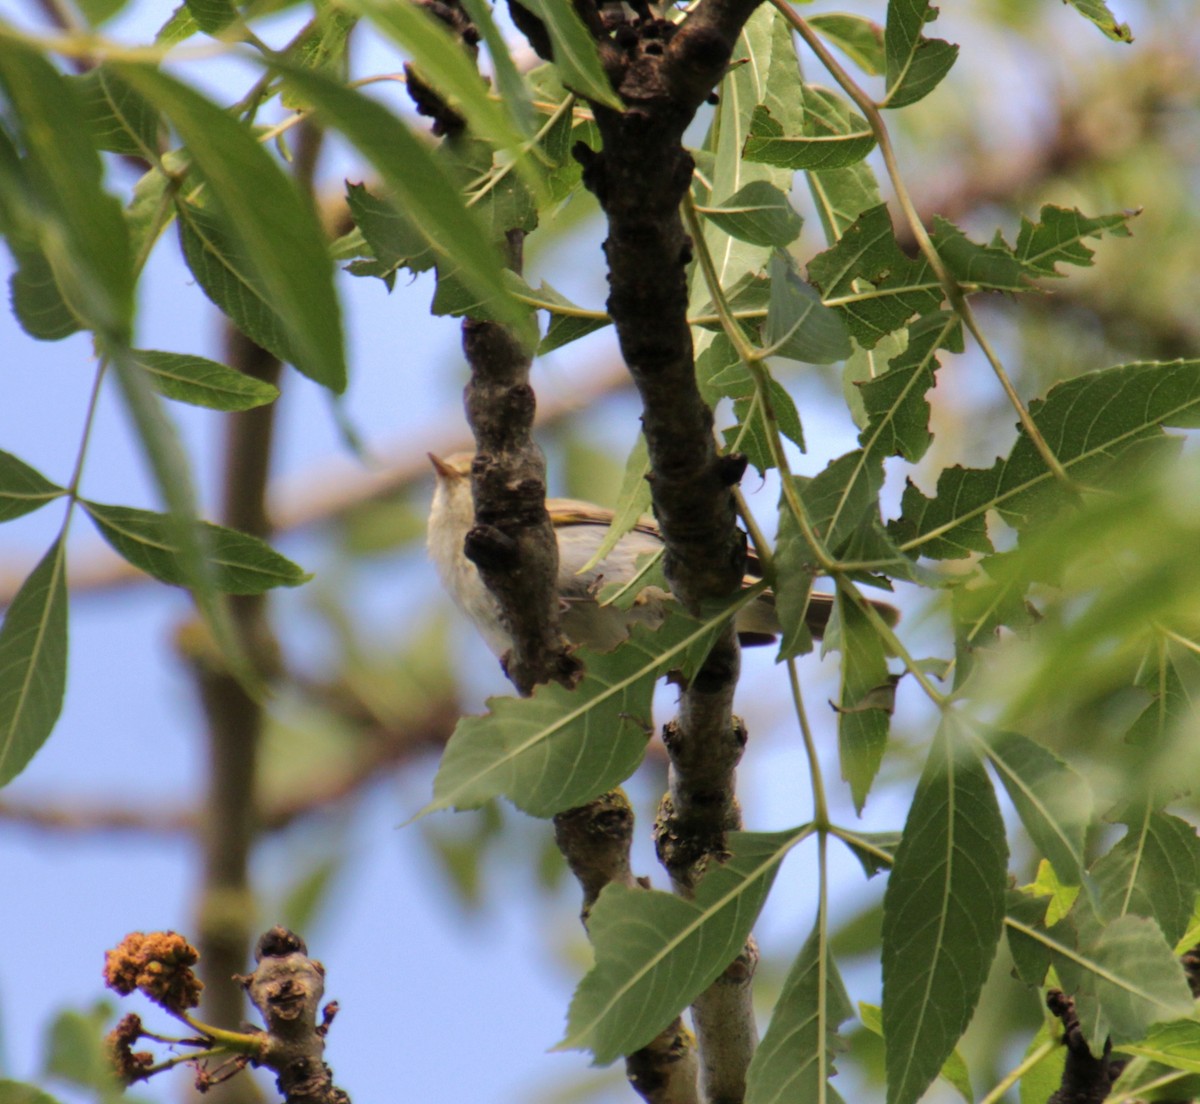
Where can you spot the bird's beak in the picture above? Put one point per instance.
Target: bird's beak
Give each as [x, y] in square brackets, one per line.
[444, 470]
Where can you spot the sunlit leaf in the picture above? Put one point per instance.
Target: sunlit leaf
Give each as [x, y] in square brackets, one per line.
[22, 488]
[942, 914]
[33, 663]
[794, 1061]
[212, 16]
[915, 64]
[656, 951]
[276, 233]
[1057, 238]
[1176, 1045]
[240, 563]
[1099, 13]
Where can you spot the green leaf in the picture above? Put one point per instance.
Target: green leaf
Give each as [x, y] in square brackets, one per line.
[568, 321]
[1170, 703]
[1053, 801]
[915, 64]
[258, 208]
[97, 12]
[240, 563]
[1058, 238]
[942, 914]
[875, 851]
[899, 286]
[80, 230]
[843, 497]
[211, 16]
[202, 382]
[561, 748]
[1043, 1080]
[793, 585]
[393, 238]
[759, 213]
[831, 136]
[894, 402]
[1090, 422]
[76, 1052]
[446, 66]
[16, 1092]
[1123, 976]
[33, 663]
[799, 326]
[633, 501]
[954, 1069]
[656, 951]
[794, 1061]
[752, 433]
[422, 188]
[38, 304]
[514, 92]
[859, 39]
[1170, 1044]
[1097, 12]
[575, 54]
[121, 119]
[866, 700]
[22, 488]
[1153, 871]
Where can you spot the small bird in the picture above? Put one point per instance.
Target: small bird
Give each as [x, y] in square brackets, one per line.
[580, 528]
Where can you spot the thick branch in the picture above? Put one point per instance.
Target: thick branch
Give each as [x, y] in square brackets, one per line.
[595, 840]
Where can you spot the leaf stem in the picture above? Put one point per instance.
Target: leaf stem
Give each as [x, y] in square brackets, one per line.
[953, 291]
[820, 804]
[1017, 1072]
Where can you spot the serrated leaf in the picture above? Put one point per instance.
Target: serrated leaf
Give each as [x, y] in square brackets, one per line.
[561, 748]
[1057, 238]
[954, 1069]
[1176, 1045]
[446, 66]
[121, 119]
[899, 286]
[23, 489]
[894, 402]
[240, 563]
[575, 54]
[33, 663]
[1152, 871]
[915, 64]
[831, 136]
[202, 382]
[1053, 801]
[656, 951]
[1123, 976]
[752, 435]
[865, 703]
[798, 325]
[1098, 12]
[942, 914]
[794, 1061]
[276, 233]
[391, 236]
[79, 228]
[843, 497]
[759, 213]
[859, 39]
[422, 187]
[1090, 422]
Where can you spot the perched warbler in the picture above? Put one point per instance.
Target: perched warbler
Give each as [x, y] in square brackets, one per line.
[580, 528]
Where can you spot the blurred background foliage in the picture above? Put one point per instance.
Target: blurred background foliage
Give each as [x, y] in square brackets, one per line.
[1039, 109]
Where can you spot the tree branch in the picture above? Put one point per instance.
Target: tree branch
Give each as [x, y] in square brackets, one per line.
[595, 840]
